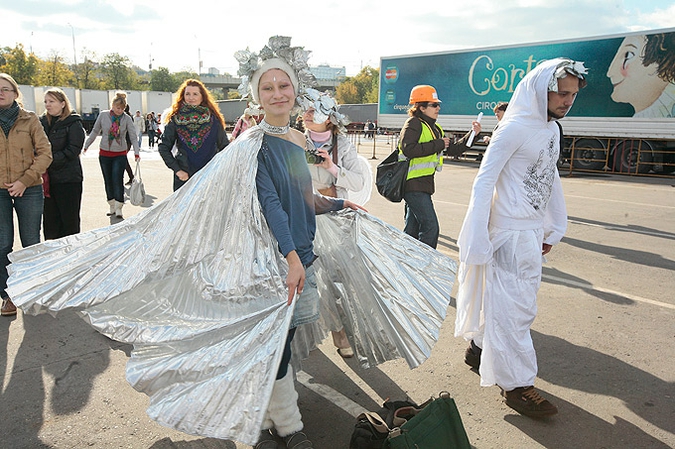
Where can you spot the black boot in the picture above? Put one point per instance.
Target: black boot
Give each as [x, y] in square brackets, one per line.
[472, 356]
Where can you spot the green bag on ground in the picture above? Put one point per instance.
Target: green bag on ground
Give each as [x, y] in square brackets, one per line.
[437, 425]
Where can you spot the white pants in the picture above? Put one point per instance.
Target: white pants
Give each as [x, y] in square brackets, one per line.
[497, 304]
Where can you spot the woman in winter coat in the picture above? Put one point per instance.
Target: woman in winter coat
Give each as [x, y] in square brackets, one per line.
[25, 154]
[114, 126]
[196, 128]
[63, 186]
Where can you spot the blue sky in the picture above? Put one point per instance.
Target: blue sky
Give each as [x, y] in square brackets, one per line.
[350, 33]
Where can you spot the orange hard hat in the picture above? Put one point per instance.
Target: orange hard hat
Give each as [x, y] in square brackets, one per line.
[422, 93]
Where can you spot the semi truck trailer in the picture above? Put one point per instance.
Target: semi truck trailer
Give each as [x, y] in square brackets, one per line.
[623, 121]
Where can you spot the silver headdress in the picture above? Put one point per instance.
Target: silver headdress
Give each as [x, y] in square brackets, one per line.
[254, 109]
[325, 107]
[277, 54]
[565, 67]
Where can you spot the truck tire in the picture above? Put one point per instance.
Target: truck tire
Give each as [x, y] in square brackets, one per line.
[589, 154]
[625, 156]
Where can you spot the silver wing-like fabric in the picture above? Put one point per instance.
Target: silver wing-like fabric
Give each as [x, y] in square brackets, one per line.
[391, 291]
[197, 285]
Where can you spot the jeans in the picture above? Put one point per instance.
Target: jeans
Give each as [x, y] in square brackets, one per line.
[140, 138]
[307, 304]
[306, 311]
[29, 213]
[113, 176]
[421, 221]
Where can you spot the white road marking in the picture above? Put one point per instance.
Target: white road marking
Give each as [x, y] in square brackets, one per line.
[585, 286]
[331, 395]
[611, 200]
[622, 229]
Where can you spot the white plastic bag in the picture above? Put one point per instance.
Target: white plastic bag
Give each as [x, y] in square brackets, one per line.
[137, 190]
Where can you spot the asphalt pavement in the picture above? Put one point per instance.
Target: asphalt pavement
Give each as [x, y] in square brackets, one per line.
[605, 337]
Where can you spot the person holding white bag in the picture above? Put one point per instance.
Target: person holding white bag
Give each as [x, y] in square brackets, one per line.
[114, 126]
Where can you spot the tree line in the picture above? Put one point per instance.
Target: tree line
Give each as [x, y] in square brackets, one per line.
[116, 72]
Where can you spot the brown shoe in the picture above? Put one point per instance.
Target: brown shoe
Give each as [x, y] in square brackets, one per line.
[342, 344]
[346, 353]
[528, 402]
[8, 307]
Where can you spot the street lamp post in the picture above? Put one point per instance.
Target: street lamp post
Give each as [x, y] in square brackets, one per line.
[72, 30]
[77, 78]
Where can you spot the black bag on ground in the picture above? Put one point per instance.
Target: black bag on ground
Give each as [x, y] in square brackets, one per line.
[436, 424]
[390, 177]
[372, 429]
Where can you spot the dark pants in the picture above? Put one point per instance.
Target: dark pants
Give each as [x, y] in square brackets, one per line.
[151, 138]
[62, 210]
[113, 176]
[129, 171]
[421, 221]
[28, 210]
[286, 357]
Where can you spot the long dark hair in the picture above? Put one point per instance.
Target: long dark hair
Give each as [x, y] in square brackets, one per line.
[207, 100]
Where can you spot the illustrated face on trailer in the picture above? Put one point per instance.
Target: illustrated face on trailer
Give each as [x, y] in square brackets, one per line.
[633, 82]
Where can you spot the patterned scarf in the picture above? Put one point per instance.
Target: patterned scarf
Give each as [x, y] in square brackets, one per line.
[114, 131]
[8, 117]
[193, 124]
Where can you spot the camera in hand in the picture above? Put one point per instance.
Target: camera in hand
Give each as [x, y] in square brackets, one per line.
[313, 157]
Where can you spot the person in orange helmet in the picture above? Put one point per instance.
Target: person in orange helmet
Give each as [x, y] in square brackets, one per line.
[423, 142]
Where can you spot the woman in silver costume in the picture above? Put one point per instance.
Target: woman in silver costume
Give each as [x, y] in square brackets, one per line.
[338, 172]
[289, 205]
[207, 283]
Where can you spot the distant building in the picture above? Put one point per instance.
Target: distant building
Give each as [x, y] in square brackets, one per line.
[328, 73]
[328, 78]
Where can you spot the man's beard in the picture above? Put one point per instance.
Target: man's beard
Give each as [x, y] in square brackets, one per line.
[554, 116]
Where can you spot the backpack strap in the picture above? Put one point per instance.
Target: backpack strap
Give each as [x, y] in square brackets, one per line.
[335, 149]
[376, 421]
[562, 141]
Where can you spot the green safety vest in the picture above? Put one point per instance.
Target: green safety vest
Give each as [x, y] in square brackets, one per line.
[425, 165]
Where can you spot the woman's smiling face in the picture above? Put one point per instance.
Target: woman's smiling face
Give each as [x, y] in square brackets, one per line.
[276, 92]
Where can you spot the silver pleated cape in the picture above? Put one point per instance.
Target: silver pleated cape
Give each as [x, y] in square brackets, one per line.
[197, 285]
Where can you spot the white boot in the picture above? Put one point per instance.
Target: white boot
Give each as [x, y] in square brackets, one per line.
[283, 408]
[267, 421]
[111, 203]
[118, 209]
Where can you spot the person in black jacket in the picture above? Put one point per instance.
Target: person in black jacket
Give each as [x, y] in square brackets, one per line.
[196, 128]
[63, 188]
[423, 142]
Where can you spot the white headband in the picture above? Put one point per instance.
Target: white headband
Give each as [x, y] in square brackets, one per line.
[274, 63]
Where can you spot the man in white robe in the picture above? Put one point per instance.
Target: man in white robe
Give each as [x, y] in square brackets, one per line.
[516, 213]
